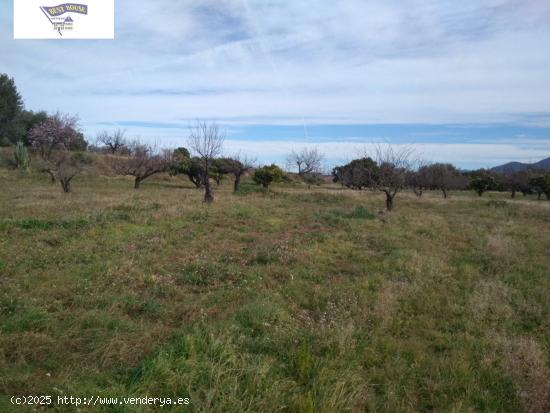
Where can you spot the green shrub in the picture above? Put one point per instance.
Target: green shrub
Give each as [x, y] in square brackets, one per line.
[265, 175]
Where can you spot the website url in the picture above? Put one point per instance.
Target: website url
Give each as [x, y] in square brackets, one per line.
[98, 401]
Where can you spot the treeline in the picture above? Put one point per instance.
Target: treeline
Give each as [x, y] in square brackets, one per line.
[391, 171]
[57, 147]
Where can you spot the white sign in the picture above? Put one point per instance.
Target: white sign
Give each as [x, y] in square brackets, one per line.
[56, 19]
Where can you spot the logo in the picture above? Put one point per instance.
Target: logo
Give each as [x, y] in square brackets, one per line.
[63, 19]
[60, 16]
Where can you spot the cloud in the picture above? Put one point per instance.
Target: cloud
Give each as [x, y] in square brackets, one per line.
[297, 62]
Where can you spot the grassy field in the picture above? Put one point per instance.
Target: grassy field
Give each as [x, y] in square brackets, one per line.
[294, 300]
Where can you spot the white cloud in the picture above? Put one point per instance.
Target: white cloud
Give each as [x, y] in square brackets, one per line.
[354, 61]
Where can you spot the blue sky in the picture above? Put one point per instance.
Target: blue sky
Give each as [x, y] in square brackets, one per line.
[466, 82]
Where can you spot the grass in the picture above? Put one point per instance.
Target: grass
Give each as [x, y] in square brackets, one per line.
[288, 300]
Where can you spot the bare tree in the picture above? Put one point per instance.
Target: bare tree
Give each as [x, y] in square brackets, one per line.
[387, 171]
[114, 142]
[391, 172]
[142, 162]
[206, 140]
[416, 178]
[307, 160]
[68, 165]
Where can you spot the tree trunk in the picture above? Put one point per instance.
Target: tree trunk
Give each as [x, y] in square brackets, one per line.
[137, 182]
[196, 182]
[236, 183]
[389, 201]
[513, 193]
[66, 185]
[539, 195]
[208, 197]
[444, 192]
[479, 193]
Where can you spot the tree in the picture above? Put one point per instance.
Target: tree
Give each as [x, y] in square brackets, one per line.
[69, 164]
[114, 142]
[417, 181]
[183, 164]
[237, 166]
[24, 122]
[219, 169]
[389, 172]
[357, 174]
[141, 162]
[307, 160]
[540, 184]
[482, 181]
[389, 177]
[181, 153]
[206, 140]
[514, 182]
[442, 176]
[57, 134]
[266, 175]
[11, 105]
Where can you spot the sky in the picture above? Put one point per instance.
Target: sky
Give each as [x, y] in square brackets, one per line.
[466, 82]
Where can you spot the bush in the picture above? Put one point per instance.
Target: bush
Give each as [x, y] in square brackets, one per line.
[267, 174]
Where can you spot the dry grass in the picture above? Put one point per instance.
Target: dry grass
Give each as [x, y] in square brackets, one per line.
[292, 300]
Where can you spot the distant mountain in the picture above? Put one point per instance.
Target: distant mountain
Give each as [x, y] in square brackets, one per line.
[511, 167]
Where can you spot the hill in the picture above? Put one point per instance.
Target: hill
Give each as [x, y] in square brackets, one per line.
[512, 167]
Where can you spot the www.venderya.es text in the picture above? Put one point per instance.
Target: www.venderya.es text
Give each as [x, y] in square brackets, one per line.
[46, 400]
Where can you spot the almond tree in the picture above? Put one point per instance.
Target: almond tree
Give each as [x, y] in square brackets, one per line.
[391, 172]
[58, 141]
[141, 162]
[206, 140]
[68, 165]
[307, 160]
[114, 142]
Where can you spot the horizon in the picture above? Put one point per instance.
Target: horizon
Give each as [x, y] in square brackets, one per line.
[466, 84]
